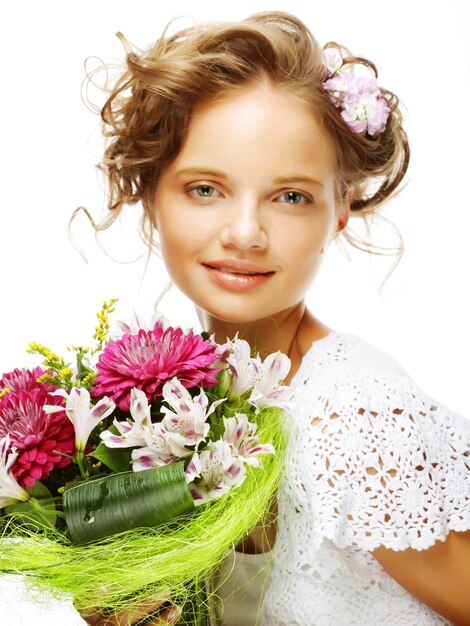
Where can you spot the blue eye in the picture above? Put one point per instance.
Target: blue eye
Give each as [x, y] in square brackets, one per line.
[296, 197]
[203, 191]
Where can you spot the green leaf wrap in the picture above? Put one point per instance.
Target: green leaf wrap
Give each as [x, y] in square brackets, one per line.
[120, 571]
[113, 504]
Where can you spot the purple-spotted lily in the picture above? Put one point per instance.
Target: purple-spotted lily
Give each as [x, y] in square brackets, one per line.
[133, 433]
[216, 470]
[185, 422]
[83, 415]
[242, 366]
[135, 322]
[262, 377]
[10, 490]
[267, 390]
[240, 434]
[150, 440]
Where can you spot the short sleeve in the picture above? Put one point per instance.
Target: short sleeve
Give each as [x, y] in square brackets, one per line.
[376, 461]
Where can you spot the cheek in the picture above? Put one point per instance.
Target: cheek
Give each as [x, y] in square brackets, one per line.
[306, 246]
[181, 239]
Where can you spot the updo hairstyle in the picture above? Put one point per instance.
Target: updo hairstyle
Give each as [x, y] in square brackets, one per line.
[147, 113]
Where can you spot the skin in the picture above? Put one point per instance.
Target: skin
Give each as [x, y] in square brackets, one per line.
[166, 617]
[221, 199]
[231, 205]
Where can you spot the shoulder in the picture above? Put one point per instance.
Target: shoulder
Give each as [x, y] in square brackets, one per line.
[370, 392]
[379, 447]
[346, 366]
[342, 367]
[359, 356]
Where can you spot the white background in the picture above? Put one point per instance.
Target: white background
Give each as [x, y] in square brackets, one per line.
[50, 145]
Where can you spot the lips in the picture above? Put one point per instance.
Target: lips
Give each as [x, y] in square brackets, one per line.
[230, 270]
[238, 276]
[238, 267]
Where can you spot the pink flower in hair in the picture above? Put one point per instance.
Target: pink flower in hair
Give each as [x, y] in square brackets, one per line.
[359, 99]
[366, 113]
[333, 60]
[41, 440]
[151, 358]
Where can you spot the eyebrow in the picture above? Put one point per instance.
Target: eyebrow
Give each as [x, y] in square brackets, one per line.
[202, 170]
[291, 178]
[296, 178]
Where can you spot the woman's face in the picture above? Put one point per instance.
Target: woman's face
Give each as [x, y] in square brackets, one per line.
[251, 190]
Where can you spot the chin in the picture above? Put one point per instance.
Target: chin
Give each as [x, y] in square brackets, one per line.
[237, 315]
[232, 317]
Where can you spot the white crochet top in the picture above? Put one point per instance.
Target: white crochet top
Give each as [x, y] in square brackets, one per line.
[372, 460]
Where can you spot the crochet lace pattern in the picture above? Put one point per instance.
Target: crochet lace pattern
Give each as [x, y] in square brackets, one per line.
[372, 461]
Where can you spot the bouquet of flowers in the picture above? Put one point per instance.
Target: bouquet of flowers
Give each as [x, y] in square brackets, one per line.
[134, 471]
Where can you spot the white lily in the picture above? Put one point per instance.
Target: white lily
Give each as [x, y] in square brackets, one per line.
[186, 421]
[135, 322]
[267, 390]
[158, 453]
[242, 366]
[194, 468]
[217, 470]
[240, 433]
[262, 377]
[10, 490]
[133, 433]
[154, 446]
[83, 415]
[159, 448]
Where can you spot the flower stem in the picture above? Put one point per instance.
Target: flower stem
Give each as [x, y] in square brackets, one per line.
[79, 458]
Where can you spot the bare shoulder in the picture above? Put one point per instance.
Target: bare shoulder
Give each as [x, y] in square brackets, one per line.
[438, 576]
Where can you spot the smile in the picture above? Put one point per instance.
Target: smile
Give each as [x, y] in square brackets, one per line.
[233, 271]
[237, 280]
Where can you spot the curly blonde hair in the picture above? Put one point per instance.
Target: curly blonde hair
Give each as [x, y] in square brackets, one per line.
[147, 113]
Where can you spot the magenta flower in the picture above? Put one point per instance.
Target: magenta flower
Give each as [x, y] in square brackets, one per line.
[20, 380]
[41, 440]
[149, 359]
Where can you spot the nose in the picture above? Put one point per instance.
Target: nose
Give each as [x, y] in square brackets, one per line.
[243, 228]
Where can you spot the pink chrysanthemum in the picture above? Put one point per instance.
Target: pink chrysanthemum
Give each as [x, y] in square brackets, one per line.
[20, 379]
[40, 439]
[151, 358]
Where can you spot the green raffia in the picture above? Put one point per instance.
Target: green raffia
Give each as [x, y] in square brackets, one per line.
[120, 571]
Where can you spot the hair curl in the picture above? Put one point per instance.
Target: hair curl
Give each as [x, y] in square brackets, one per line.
[147, 113]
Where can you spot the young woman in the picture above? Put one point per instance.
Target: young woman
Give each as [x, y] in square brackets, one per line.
[250, 147]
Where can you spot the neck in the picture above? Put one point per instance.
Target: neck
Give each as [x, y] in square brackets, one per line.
[264, 336]
[291, 331]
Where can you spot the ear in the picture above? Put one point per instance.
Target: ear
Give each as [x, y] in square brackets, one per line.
[344, 210]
